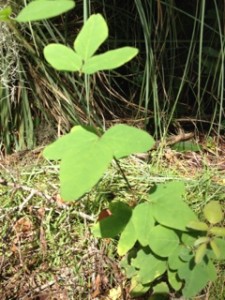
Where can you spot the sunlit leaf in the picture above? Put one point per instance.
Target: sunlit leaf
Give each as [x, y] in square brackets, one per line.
[213, 212]
[218, 231]
[40, 10]
[109, 60]
[92, 35]
[143, 222]
[201, 240]
[127, 239]
[5, 13]
[197, 225]
[163, 241]
[62, 58]
[125, 140]
[215, 248]
[200, 253]
[196, 276]
[168, 206]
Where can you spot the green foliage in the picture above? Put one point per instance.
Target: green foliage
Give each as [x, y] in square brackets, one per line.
[44, 9]
[5, 14]
[171, 240]
[82, 58]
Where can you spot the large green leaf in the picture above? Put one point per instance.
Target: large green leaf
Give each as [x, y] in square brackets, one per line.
[62, 58]
[76, 140]
[109, 60]
[163, 241]
[40, 10]
[168, 206]
[125, 140]
[196, 276]
[150, 266]
[92, 35]
[114, 224]
[143, 222]
[127, 239]
[82, 167]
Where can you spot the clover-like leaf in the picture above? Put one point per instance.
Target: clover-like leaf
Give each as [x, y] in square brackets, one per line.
[109, 60]
[40, 10]
[218, 231]
[62, 58]
[93, 33]
[213, 212]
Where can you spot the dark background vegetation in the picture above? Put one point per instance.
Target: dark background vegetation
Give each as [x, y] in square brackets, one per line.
[177, 80]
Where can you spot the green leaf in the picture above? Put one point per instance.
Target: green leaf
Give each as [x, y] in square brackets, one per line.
[93, 33]
[201, 240]
[150, 265]
[76, 140]
[143, 222]
[168, 206]
[82, 167]
[137, 289]
[218, 231]
[125, 140]
[40, 10]
[109, 60]
[114, 224]
[62, 58]
[200, 253]
[213, 212]
[5, 13]
[185, 146]
[174, 280]
[196, 276]
[127, 239]
[174, 259]
[220, 243]
[215, 248]
[163, 241]
[197, 225]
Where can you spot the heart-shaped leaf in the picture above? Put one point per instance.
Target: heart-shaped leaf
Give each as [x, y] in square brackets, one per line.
[92, 35]
[62, 58]
[109, 60]
[40, 10]
[82, 168]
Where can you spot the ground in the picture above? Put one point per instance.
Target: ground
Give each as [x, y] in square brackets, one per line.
[47, 249]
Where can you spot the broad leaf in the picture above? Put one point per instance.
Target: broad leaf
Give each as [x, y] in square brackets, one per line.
[76, 140]
[40, 10]
[213, 212]
[62, 58]
[151, 266]
[109, 60]
[169, 209]
[125, 140]
[127, 239]
[82, 168]
[174, 259]
[196, 276]
[163, 241]
[114, 224]
[143, 222]
[92, 35]
[137, 289]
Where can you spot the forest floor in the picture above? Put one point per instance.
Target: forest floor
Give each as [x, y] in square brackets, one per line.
[47, 250]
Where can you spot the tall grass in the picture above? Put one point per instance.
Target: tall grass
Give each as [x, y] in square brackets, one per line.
[178, 76]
